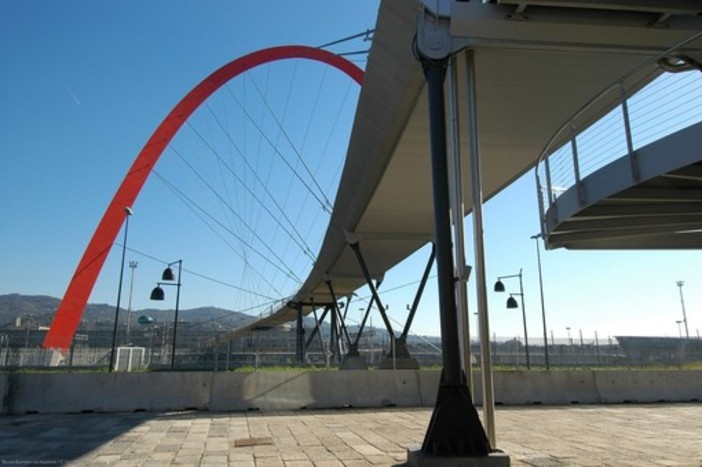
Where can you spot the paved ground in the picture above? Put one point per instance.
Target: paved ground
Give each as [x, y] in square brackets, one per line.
[616, 435]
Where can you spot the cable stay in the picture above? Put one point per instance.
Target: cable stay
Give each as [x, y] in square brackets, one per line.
[367, 36]
[184, 197]
[303, 246]
[246, 262]
[277, 152]
[327, 204]
[223, 201]
[200, 275]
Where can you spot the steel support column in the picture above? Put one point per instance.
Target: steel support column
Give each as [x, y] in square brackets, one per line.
[457, 210]
[299, 335]
[455, 428]
[478, 247]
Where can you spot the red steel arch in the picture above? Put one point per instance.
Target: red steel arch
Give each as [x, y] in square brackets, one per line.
[69, 312]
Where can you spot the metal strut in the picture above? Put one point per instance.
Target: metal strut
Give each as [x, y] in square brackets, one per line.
[365, 317]
[362, 262]
[418, 295]
[455, 428]
[316, 329]
[342, 318]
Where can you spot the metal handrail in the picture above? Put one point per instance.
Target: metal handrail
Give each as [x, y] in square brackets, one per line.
[604, 99]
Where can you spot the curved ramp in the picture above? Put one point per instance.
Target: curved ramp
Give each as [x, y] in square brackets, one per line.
[663, 210]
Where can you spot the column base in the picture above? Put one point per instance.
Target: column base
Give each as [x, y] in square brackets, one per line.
[421, 459]
[353, 362]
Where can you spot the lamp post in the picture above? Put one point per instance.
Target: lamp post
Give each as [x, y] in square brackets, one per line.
[127, 213]
[158, 294]
[682, 303]
[679, 329]
[512, 303]
[132, 265]
[541, 289]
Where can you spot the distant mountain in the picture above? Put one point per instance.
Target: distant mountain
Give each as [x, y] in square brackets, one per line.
[39, 310]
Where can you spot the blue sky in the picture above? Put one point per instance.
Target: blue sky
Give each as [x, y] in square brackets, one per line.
[85, 83]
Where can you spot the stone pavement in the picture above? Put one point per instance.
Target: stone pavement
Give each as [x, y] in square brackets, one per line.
[616, 435]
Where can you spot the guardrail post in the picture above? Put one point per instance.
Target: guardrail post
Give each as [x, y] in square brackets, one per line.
[633, 159]
[552, 206]
[576, 168]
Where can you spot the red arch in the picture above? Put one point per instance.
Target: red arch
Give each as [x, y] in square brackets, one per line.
[74, 300]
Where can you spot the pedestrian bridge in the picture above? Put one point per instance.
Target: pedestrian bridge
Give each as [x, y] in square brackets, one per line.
[541, 68]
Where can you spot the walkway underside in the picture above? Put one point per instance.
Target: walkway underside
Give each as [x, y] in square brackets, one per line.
[535, 67]
[663, 211]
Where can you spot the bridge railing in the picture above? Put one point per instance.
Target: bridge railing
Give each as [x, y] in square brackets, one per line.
[656, 99]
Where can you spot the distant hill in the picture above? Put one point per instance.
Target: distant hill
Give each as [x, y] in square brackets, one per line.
[39, 310]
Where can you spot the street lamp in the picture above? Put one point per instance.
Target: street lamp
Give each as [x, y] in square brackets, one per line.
[541, 289]
[158, 294]
[512, 303]
[132, 265]
[679, 329]
[682, 302]
[127, 213]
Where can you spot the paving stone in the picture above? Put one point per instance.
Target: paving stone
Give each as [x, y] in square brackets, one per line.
[654, 434]
[299, 464]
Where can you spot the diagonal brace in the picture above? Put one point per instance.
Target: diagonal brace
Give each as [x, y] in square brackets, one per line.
[355, 247]
[420, 292]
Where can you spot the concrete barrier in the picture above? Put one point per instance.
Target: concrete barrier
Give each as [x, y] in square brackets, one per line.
[234, 391]
[290, 390]
[649, 386]
[107, 392]
[545, 387]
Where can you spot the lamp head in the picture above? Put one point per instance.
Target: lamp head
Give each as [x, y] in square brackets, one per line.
[168, 274]
[499, 286]
[158, 294]
[512, 303]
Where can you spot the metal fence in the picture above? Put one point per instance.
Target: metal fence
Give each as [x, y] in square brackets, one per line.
[153, 352]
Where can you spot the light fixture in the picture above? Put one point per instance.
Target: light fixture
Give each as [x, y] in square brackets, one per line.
[158, 294]
[168, 274]
[511, 302]
[499, 286]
